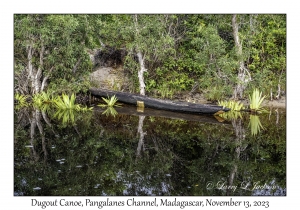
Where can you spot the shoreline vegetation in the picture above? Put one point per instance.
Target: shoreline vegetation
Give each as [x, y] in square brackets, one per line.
[203, 58]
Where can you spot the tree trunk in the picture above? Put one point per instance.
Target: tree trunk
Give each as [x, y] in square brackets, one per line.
[242, 77]
[35, 75]
[141, 60]
[141, 73]
[240, 137]
[141, 134]
[31, 71]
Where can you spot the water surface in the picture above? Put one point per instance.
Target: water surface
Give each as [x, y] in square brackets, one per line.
[148, 152]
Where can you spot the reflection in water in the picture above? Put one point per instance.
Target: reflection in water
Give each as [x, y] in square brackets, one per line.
[141, 136]
[35, 121]
[66, 116]
[231, 115]
[176, 157]
[255, 124]
[110, 111]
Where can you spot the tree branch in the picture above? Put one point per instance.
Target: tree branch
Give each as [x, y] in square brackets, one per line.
[76, 66]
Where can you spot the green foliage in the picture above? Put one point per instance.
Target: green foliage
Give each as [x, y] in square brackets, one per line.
[65, 102]
[256, 100]
[110, 111]
[42, 98]
[46, 102]
[64, 38]
[73, 85]
[234, 113]
[101, 157]
[255, 124]
[21, 100]
[165, 91]
[110, 102]
[215, 93]
[233, 105]
[231, 115]
[67, 116]
[178, 49]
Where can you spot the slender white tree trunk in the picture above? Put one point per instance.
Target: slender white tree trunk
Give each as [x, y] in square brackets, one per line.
[141, 134]
[35, 75]
[141, 73]
[242, 77]
[38, 83]
[141, 60]
[31, 72]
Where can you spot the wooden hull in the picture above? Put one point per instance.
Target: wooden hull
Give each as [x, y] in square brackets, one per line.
[148, 102]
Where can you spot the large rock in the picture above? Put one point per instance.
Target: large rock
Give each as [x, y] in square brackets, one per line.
[109, 78]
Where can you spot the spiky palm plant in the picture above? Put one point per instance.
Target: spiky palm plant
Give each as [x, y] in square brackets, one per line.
[66, 102]
[256, 100]
[110, 102]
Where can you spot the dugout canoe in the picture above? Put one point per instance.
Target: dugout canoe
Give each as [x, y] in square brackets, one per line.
[154, 103]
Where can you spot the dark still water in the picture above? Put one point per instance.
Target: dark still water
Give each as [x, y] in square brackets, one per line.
[148, 153]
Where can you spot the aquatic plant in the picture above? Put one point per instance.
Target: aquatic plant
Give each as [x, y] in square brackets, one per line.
[67, 116]
[110, 111]
[231, 115]
[255, 125]
[110, 102]
[256, 100]
[66, 102]
[70, 116]
[233, 105]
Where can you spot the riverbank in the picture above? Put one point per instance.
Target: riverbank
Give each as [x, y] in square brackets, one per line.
[115, 79]
[199, 98]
